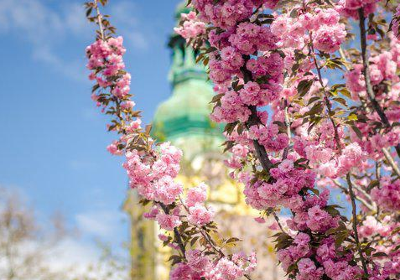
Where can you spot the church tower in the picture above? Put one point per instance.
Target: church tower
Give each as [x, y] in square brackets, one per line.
[183, 119]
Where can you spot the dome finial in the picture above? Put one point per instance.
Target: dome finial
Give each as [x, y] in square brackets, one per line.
[182, 8]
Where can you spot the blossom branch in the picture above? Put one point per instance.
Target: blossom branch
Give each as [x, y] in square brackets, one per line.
[99, 20]
[355, 223]
[366, 72]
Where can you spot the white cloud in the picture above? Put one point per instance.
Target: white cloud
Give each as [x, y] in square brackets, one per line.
[101, 224]
[124, 11]
[71, 252]
[46, 30]
[124, 14]
[49, 30]
[68, 259]
[82, 164]
[138, 40]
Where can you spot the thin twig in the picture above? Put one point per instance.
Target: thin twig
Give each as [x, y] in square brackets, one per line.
[348, 177]
[288, 130]
[279, 222]
[326, 98]
[363, 201]
[391, 161]
[366, 71]
[355, 222]
[344, 57]
[177, 235]
[99, 20]
[261, 152]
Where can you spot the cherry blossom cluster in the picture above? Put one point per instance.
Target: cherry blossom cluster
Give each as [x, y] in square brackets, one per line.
[191, 26]
[320, 25]
[112, 86]
[309, 140]
[105, 59]
[383, 68]
[388, 195]
[153, 168]
[350, 8]
[396, 23]
[226, 14]
[198, 266]
[321, 151]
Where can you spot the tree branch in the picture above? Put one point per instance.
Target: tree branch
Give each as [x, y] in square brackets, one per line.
[177, 235]
[99, 20]
[355, 221]
[391, 161]
[261, 153]
[366, 71]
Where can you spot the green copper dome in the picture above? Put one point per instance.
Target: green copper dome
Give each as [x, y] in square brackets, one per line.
[184, 118]
[188, 108]
[185, 112]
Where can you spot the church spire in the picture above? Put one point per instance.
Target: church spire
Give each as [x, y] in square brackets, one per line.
[184, 66]
[184, 116]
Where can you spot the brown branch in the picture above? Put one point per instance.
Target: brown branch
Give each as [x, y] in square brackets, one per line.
[326, 98]
[348, 176]
[366, 72]
[288, 130]
[354, 213]
[278, 222]
[363, 201]
[177, 235]
[391, 161]
[261, 152]
[99, 20]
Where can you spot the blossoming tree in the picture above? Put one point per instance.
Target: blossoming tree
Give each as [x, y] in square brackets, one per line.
[309, 92]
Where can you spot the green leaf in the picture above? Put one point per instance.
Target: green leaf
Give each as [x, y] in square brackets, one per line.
[194, 240]
[217, 98]
[341, 101]
[357, 131]
[380, 254]
[315, 191]
[232, 240]
[316, 109]
[313, 99]
[304, 87]
[352, 117]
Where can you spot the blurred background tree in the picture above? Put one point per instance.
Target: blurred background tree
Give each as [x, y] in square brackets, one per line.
[27, 249]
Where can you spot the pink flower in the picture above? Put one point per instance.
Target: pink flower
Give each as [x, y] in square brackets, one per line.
[113, 148]
[163, 237]
[226, 270]
[152, 214]
[196, 195]
[388, 196]
[197, 261]
[352, 156]
[183, 271]
[286, 165]
[191, 27]
[166, 190]
[308, 270]
[260, 220]
[168, 222]
[200, 215]
[329, 38]
[318, 219]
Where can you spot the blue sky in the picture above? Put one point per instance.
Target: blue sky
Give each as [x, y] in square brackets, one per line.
[53, 138]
